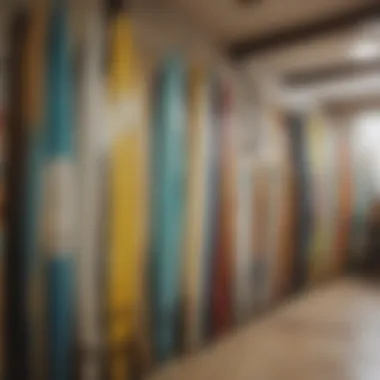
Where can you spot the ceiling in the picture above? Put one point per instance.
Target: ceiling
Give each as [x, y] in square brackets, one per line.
[286, 39]
[233, 20]
[320, 69]
[295, 39]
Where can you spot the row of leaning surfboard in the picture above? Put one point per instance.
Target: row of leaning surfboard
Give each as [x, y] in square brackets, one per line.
[136, 226]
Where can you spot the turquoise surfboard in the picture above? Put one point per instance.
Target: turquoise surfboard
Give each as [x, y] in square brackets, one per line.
[169, 164]
[59, 208]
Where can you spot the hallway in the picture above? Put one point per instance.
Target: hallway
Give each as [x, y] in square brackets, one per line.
[331, 333]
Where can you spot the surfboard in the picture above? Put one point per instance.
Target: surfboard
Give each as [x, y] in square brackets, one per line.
[266, 191]
[331, 222]
[59, 209]
[15, 356]
[260, 206]
[222, 177]
[193, 278]
[242, 141]
[312, 152]
[92, 175]
[34, 120]
[344, 197]
[169, 202]
[211, 206]
[303, 218]
[242, 279]
[276, 169]
[278, 228]
[324, 154]
[127, 195]
[362, 193]
[324, 161]
[286, 222]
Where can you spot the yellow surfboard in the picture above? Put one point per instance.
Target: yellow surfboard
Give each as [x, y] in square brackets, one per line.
[127, 195]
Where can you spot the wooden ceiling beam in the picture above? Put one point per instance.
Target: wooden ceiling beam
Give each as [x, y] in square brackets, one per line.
[287, 36]
[331, 73]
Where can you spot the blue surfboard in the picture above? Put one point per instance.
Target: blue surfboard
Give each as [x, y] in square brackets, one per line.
[59, 219]
[169, 164]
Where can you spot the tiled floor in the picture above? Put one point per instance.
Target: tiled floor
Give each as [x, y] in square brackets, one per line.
[332, 333]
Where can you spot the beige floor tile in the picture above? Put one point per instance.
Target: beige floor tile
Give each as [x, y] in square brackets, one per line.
[332, 332]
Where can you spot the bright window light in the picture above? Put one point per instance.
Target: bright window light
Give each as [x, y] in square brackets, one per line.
[364, 50]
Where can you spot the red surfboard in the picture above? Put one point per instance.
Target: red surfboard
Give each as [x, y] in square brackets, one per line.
[222, 261]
